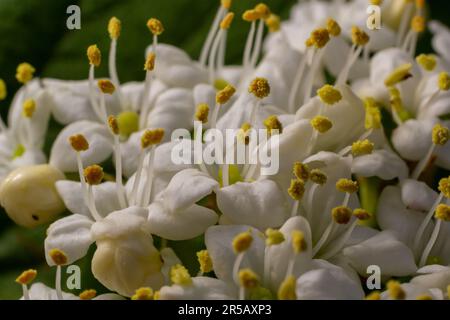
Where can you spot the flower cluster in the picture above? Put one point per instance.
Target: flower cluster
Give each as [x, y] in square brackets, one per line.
[360, 122]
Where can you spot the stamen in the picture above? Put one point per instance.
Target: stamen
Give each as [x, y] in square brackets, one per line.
[93, 176]
[395, 290]
[274, 237]
[400, 74]
[373, 115]
[144, 294]
[149, 66]
[242, 242]
[329, 95]
[80, 144]
[375, 295]
[418, 25]
[299, 245]
[25, 279]
[114, 127]
[287, 289]
[180, 275]
[25, 72]
[362, 147]
[264, 13]
[405, 19]
[205, 262]
[88, 294]
[29, 107]
[156, 28]
[273, 23]
[94, 55]
[247, 280]
[273, 124]
[222, 97]
[427, 61]
[321, 124]
[297, 189]
[114, 30]
[260, 88]
[250, 16]
[59, 258]
[318, 177]
[334, 29]
[444, 81]
[221, 35]
[362, 214]
[202, 113]
[301, 171]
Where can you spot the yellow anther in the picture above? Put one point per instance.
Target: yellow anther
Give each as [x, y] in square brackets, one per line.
[204, 259]
[444, 81]
[114, 28]
[242, 242]
[448, 291]
[424, 297]
[225, 24]
[28, 108]
[301, 171]
[376, 2]
[418, 24]
[226, 3]
[25, 72]
[248, 279]
[26, 277]
[318, 177]
[263, 10]
[93, 174]
[94, 55]
[341, 214]
[180, 275]
[373, 114]
[3, 91]
[224, 95]
[334, 29]
[202, 113]
[400, 74]
[420, 4]
[79, 142]
[273, 23]
[157, 295]
[426, 61]
[320, 37]
[143, 294]
[58, 257]
[128, 122]
[155, 26]
[321, 124]
[251, 15]
[274, 237]
[151, 137]
[443, 212]
[362, 214]
[286, 291]
[329, 94]
[150, 62]
[309, 42]
[113, 125]
[347, 185]
[106, 86]
[395, 290]
[297, 189]
[88, 294]
[359, 37]
[440, 135]
[260, 88]
[375, 295]
[362, 147]
[272, 124]
[444, 187]
[299, 244]
[244, 133]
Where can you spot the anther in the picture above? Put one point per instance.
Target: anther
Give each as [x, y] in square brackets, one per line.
[334, 29]
[114, 28]
[362, 147]
[204, 259]
[79, 142]
[440, 135]
[93, 175]
[180, 275]
[263, 10]
[359, 37]
[444, 81]
[155, 26]
[26, 277]
[3, 91]
[347, 185]
[106, 86]
[443, 212]
[224, 95]
[248, 279]
[113, 125]
[150, 62]
[444, 187]
[321, 124]
[318, 177]
[94, 55]
[299, 244]
[28, 108]
[242, 242]
[286, 291]
[58, 257]
[400, 74]
[274, 237]
[426, 61]
[143, 294]
[273, 23]
[361, 214]
[395, 290]
[88, 294]
[152, 137]
[273, 124]
[25, 72]
[301, 171]
[329, 94]
[320, 37]
[297, 189]
[418, 24]
[260, 88]
[202, 113]
[341, 214]
[226, 22]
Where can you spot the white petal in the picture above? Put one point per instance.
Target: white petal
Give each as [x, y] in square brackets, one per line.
[412, 139]
[39, 291]
[417, 195]
[202, 288]
[381, 163]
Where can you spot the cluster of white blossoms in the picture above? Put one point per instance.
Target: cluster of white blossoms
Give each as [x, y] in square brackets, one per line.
[350, 192]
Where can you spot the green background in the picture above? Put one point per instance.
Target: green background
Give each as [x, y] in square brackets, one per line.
[35, 31]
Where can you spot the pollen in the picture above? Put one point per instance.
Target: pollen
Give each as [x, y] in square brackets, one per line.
[274, 237]
[58, 257]
[106, 86]
[25, 72]
[273, 124]
[329, 94]
[400, 74]
[359, 37]
[248, 279]
[26, 277]
[444, 81]
[318, 177]
[418, 24]
[88, 294]
[320, 37]
[93, 175]
[263, 10]
[226, 22]
[224, 95]
[242, 242]
[373, 114]
[204, 259]
[299, 244]
[375, 295]
[180, 275]
[321, 124]
[297, 189]
[150, 62]
[301, 171]
[444, 187]
[226, 4]
[151, 137]
[361, 214]
[440, 135]
[341, 214]
[28, 108]
[347, 185]
[362, 147]
[286, 291]
[443, 212]
[143, 294]
[79, 142]
[3, 91]
[113, 125]
[426, 61]
[334, 29]
[260, 88]
[114, 28]
[273, 23]
[94, 55]
[395, 290]
[155, 26]
[202, 113]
